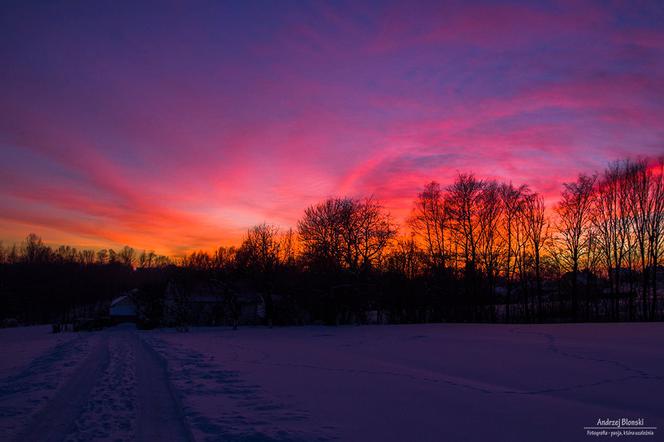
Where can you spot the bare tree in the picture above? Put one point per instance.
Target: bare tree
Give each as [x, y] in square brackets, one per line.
[375, 230]
[224, 258]
[405, 258]
[260, 252]
[162, 261]
[522, 259]
[260, 248]
[319, 231]
[288, 248]
[13, 254]
[490, 212]
[536, 227]
[34, 250]
[147, 259]
[126, 256]
[636, 182]
[343, 233]
[66, 254]
[429, 224]
[611, 221]
[102, 256]
[573, 220]
[461, 202]
[656, 227]
[512, 201]
[199, 260]
[86, 257]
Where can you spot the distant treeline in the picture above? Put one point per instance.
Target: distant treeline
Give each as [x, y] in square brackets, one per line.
[476, 250]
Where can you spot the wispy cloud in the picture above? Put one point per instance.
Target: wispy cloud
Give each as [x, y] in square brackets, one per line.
[176, 129]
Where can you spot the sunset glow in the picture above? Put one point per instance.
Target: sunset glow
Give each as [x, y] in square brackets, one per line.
[175, 128]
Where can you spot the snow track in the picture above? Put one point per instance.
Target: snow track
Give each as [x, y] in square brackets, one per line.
[233, 409]
[117, 391]
[42, 381]
[160, 416]
[53, 421]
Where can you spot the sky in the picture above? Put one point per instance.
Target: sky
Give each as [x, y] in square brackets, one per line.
[176, 126]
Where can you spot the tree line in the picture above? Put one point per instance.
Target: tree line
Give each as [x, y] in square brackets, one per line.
[34, 251]
[475, 250]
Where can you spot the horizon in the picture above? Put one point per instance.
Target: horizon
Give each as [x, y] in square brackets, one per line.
[176, 129]
[404, 230]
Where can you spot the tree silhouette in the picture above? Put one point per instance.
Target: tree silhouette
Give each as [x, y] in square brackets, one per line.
[344, 233]
[573, 232]
[428, 222]
[475, 250]
[127, 256]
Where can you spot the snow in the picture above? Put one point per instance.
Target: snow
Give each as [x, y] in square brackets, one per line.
[107, 412]
[409, 382]
[35, 366]
[20, 345]
[415, 382]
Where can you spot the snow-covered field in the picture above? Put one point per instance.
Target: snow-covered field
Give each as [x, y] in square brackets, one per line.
[402, 383]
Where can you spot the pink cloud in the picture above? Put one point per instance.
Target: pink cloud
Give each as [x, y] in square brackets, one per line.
[188, 137]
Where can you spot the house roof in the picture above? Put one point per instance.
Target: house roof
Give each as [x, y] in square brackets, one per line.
[121, 299]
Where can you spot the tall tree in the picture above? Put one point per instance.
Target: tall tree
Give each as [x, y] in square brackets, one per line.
[344, 233]
[535, 225]
[261, 248]
[656, 227]
[462, 201]
[512, 201]
[34, 250]
[429, 224]
[490, 211]
[611, 222]
[573, 220]
[127, 256]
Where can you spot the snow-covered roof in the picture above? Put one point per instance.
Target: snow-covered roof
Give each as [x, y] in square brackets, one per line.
[120, 299]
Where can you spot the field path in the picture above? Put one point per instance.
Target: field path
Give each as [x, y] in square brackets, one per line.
[160, 416]
[120, 391]
[54, 419]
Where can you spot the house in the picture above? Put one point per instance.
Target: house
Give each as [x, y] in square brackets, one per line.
[583, 277]
[123, 308]
[212, 303]
[251, 307]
